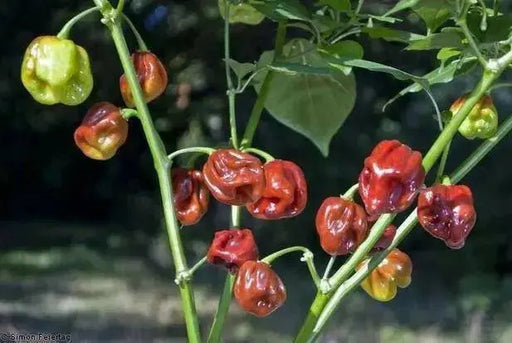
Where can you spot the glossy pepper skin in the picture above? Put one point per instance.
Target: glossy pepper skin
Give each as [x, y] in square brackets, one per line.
[394, 271]
[390, 178]
[102, 132]
[151, 75]
[258, 289]
[482, 121]
[341, 225]
[386, 239]
[191, 196]
[56, 70]
[232, 248]
[285, 194]
[234, 177]
[447, 213]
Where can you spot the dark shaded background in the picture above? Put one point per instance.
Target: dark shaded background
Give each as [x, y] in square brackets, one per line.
[82, 245]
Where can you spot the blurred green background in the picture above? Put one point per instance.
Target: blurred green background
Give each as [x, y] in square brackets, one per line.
[82, 244]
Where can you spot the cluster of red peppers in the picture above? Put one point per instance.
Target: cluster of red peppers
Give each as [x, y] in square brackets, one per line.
[391, 178]
[56, 70]
[274, 190]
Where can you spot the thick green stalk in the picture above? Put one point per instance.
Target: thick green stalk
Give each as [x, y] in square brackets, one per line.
[161, 165]
[231, 91]
[314, 313]
[259, 105]
[402, 232]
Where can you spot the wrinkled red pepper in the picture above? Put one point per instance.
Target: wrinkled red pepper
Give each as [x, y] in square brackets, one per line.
[191, 196]
[391, 177]
[285, 193]
[258, 289]
[232, 248]
[341, 224]
[447, 213]
[234, 177]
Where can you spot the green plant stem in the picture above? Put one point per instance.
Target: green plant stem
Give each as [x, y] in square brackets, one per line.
[196, 266]
[259, 105]
[66, 29]
[215, 334]
[328, 269]
[231, 92]
[349, 194]
[140, 41]
[203, 150]
[261, 153]
[161, 165]
[442, 163]
[120, 6]
[472, 43]
[307, 257]
[404, 229]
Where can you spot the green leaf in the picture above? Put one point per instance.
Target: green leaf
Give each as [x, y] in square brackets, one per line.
[390, 35]
[282, 9]
[433, 12]
[345, 49]
[437, 41]
[498, 28]
[384, 19]
[241, 13]
[447, 53]
[340, 5]
[306, 95]
[241, 70]
[340, 63]
[401, 5]
[443, 74]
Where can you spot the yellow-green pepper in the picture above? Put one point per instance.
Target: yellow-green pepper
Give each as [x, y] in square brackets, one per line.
[56, 70]
[482, 121]
[394, 271]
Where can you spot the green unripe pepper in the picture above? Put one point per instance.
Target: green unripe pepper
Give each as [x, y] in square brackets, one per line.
[482, 121]
[56, 70]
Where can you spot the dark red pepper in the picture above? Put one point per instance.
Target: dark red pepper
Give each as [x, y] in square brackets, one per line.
[151, 75]
[391, 177]
[386, 239]
[258, 289]
[191, 196]
[234, 177]
[285, 194]
[102, 131]
[341, 224]
[447, 213]
[232, 248]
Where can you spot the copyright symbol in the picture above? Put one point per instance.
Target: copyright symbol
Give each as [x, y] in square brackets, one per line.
[5, 337]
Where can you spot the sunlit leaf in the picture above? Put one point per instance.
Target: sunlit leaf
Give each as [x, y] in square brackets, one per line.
[433, 12]
[437, 41]
[390, 35]
[282, 9]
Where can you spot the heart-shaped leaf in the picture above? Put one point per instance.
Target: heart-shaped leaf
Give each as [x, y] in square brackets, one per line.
[306, 95]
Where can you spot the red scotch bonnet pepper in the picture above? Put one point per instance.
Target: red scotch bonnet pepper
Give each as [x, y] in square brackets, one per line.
[231, 248]
[391, 177]
[234, 177]
[285, 193]
[151, 75]
[341, 224]
[102, 132]
[447, 213]
[258, 289]
[191, 196]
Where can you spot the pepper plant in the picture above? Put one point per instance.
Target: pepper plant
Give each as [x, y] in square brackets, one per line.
[312, 65]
